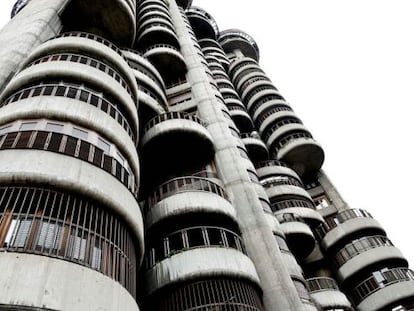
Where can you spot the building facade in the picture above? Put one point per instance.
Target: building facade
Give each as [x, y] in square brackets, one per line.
[147, 162]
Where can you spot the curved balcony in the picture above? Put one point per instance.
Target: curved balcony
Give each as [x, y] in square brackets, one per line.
[19, 167]
[239, 115]
[202, 23]
[298, 234]
[197, 263]
[258, 97]
[117, 18]
[300, 206]
[74, 103]
[34, 278]
[187, 195]
[252, 77]
[384, 289]
[326, 294]
[256, 148]
[56, 224]
[168, 61]
[347, 226]
[269, 168]
[267, 106]
[87, 44]
[137, 62]
[272, 123]
[300, 151]
[234, 39]
[185, 139]
[66, 70]
[219, 294]
[185, 4]
[155, 34]
[371, 253]
[248, 90]
[280, 187]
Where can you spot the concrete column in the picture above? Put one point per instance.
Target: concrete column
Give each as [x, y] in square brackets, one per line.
[279, 291]
[37, 22]
[331, 191]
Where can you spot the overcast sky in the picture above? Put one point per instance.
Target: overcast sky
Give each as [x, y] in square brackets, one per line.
[347, 68]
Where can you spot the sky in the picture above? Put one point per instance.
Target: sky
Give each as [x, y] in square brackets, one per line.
[347, 69]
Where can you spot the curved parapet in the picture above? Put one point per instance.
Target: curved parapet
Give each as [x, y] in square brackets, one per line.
[199, 263]
[36, 281]
[326, 294]
[203, 23]
[235, 39]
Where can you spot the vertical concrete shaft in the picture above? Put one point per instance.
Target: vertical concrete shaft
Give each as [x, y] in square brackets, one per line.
[331, 191]
[279, 291]
[36, 23]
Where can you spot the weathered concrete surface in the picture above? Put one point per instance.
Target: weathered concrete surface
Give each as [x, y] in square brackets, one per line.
[42, 282]
[36, 23]
[279, 291]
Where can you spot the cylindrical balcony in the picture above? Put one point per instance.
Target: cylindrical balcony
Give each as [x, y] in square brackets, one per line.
[239, 115]
[256, 148]
[197, 253]
[187, 196]
[298, 234]
[183, 137]
[348, 225]
[384, 289]
[368, 253]
[326, 294]
[234, 39]
[294, 145]
[115, 19]
[202, 23]
[185, 4]
[168, 61]
[218, 294]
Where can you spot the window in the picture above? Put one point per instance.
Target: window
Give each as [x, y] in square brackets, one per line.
[79, 133]
[104, 145]
[27, 126]
[54, 127]
[321, 202]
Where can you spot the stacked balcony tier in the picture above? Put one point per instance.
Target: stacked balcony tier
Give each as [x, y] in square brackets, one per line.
[388, 289]
[68, 133]
[172, 143]
[286, 137]
[327, 295]
[291, 204]
[154, 25]
[202, 23]
[234, 39]
[194, 239]
[151, 87]
[113, 19]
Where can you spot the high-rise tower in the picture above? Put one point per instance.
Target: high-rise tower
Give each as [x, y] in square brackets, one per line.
[147, 162]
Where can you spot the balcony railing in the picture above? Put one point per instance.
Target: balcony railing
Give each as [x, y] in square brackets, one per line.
[342, 217]
[379, 280]
[319, 284]
[171, 116]
[184, 184]
[359, 246]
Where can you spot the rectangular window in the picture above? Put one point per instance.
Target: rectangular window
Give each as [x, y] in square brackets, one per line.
[54, 127]
[80, 133]
[28, 126]
[104, 145]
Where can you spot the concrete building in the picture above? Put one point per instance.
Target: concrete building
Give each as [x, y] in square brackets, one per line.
[148, 163]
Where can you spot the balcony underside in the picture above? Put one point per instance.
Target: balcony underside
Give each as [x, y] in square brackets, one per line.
[299, 238]
[111, 18]
[331, 299]
[172, 147]
[168, 61]
[202, 27]
[305, 156]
